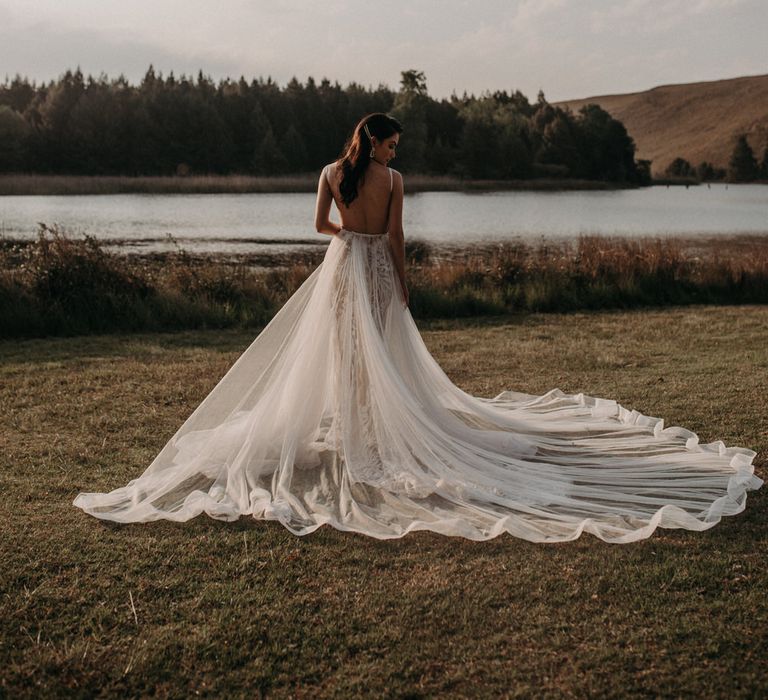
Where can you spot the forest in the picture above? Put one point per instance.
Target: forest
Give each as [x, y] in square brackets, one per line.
[169, 125]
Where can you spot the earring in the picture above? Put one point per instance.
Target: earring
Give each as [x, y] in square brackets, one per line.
[373, 152]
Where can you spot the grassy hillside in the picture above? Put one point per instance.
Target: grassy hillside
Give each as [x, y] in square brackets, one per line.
[698, 121]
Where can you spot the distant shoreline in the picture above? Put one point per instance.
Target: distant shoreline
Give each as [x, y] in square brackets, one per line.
[43, 185]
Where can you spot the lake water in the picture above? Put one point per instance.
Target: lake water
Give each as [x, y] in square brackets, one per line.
[253, 222]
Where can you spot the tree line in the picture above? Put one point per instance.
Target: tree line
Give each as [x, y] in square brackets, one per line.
[743, 166]
[169, 125]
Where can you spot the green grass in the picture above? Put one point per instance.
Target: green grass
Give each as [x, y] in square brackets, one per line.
[247, 609]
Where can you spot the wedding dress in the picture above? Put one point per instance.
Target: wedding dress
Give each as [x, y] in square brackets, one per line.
[337, 413]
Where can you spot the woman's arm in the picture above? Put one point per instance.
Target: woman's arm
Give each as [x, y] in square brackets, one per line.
[395, 231]
[323, 207]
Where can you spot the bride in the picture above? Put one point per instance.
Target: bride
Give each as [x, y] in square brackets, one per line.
[337, 413]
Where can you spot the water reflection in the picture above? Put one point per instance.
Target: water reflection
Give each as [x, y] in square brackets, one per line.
[280, 221]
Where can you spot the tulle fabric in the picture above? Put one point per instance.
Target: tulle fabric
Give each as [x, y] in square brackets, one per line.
[338, 414]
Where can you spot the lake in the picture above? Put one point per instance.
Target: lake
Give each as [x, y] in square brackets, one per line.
[250, 222]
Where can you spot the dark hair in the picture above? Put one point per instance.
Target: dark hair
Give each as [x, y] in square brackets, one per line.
[355, 156]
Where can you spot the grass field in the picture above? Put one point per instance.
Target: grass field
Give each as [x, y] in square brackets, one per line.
[247, 609]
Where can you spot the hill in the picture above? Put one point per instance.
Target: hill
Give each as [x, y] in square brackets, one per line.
[697, 121]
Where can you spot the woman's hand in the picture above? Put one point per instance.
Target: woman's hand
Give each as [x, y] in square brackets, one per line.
[404, 288]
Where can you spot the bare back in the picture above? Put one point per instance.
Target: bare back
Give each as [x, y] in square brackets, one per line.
[369, 212]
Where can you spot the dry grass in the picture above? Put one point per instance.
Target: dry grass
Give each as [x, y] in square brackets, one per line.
[37, 184]
[246, 609]
[59, 285]
[589, 273]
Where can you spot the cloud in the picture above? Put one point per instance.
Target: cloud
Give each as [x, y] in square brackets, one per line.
[44, 49]
[569, 48]
[653, 17]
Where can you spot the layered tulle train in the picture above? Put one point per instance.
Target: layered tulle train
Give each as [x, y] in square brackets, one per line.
[337, 413]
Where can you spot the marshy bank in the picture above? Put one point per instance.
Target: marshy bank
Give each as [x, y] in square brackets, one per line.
[58, 284]
[42, 185]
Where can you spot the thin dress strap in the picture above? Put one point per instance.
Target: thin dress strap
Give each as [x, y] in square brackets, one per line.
[390, 178]
[325, 175]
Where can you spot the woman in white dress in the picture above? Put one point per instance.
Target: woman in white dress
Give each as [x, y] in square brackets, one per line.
[337, 413]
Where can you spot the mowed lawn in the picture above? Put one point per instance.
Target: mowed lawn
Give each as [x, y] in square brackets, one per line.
[246, 609]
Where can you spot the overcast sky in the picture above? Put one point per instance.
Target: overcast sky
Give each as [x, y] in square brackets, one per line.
[568, 48]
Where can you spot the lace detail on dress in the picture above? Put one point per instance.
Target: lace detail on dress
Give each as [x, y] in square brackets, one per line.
[381, 271]
[378, 273]
[353, 428]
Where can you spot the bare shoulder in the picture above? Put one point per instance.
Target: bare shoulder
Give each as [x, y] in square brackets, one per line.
[328, 174]
[397, 176]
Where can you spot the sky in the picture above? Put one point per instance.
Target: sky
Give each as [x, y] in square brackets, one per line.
[567, 48]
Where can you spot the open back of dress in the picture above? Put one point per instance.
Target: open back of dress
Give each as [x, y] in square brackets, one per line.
[368, 211]
[337, 413]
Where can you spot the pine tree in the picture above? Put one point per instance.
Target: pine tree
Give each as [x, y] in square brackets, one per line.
[150, 79]
[292, 146]
[680, 167]
[705, 171]
[269, 159]
[410, 108]
[13, 132]
[764, 165]
[743, 166]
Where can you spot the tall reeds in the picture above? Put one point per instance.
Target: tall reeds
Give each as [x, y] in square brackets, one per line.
[592, 272]
[60, 285]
